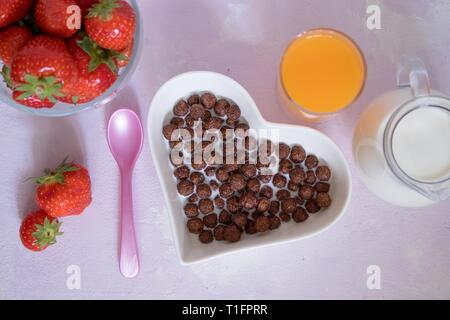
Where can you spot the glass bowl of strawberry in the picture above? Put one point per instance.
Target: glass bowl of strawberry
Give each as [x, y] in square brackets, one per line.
[73, 55]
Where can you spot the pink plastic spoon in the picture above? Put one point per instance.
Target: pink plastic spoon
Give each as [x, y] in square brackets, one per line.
[125, 139]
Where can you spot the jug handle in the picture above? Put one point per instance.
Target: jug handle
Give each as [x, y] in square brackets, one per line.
[411, 72]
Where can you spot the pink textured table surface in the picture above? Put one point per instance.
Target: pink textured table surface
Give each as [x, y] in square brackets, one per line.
[243, 39]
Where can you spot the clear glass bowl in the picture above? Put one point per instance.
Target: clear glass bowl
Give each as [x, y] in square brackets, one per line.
[64, 109]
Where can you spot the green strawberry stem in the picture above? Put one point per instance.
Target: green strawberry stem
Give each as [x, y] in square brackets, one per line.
[6, 73]
[99, 55]
[46, 234]
[57, 175]
[45, 88]
[103, 9]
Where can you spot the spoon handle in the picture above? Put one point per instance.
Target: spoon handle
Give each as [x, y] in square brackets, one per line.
[129, 260]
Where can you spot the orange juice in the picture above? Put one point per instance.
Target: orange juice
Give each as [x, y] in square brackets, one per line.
[322, 71]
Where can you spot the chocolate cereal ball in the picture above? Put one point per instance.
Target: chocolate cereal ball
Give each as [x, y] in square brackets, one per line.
[225, 217]
[237, 181]
[292, 186]
[168, 129]
[311, 206]
[285, 217]
[197, 177]
[240, 219]
[214, 184]
[306, 192]
[208, 100]
[274, 207]
[194, 99]
[262, 223]
[226, 190]
[179, 122]
[197, 112]
[285, 166]
[311, 161]
[234, 204]
[322, 187]
[265, 178]
[253, 185]
[249, 170]
[222, 175]
[213, 124]
[248, 200]
[219, 232]
[190, 122]
[210, 220]
[279, 181]
[232, 233]
[299, 215]
[195, 225]
[275, 222]
[297, 175]
[203, 191]
[219, 202]
[185, 188]
[181, 109]
[181, 173]
[233, 113]
[191, 210]
[323, 200]
[250, 228]
[310, 177]
[288, 205]
[282, 194]
[206, 236]
[263, 205]
[298, 154]
[323, 173]
[193, 198]
[266, 192]
[284, 151]
[206, 206]
[221, 107]
[210, 171]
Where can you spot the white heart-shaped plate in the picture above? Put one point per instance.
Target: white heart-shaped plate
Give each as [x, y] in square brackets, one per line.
[189, 248]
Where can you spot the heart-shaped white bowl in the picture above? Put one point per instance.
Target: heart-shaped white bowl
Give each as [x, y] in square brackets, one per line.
[189, 248]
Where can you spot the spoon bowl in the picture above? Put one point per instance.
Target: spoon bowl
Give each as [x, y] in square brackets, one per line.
[125, 140]
[125, 137]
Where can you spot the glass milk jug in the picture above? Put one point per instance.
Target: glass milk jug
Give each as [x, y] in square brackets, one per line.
[401, 144]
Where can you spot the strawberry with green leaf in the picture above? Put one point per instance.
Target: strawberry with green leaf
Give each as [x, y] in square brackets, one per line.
[38, 231]
[43, 72]
[111, 24]
[97, 69]
[64, 191]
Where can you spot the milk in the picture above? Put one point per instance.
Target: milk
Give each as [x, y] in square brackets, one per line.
[421, 144]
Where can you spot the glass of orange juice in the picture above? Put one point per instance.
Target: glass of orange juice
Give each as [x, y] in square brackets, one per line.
[322, 72]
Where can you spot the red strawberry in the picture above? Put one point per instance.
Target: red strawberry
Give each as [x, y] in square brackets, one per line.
[11, 40]
[96, 68]
[125, 56]
[32, 101]
[64, 191]
[111, 24]
[85, 5]
[52, 18]
[38, 231]
[13, 10]
[43, 70]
